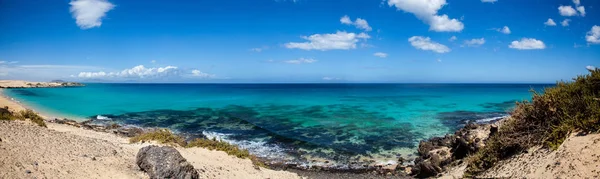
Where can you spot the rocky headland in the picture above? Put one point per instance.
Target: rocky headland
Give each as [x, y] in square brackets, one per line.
[28, 84]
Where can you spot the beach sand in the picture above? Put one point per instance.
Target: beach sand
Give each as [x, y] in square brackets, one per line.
[63, 151]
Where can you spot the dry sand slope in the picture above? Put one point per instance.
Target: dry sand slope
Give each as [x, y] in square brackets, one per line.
[30, 151]
[63, 151]
[577, 157]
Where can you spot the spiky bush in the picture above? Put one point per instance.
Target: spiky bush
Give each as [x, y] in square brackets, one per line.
[546, 120]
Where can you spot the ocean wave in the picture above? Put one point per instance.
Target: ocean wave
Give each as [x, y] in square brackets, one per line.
[491, 119]
[259, 148]
[101, 117]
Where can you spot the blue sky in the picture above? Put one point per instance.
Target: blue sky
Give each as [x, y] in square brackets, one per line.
[403, 41]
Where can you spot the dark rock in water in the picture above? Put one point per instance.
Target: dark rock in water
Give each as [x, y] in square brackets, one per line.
[437, 152]
[67, 122]
[164, 162]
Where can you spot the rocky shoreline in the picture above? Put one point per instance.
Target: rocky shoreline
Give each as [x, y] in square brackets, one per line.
[435, 155]
[396, 171]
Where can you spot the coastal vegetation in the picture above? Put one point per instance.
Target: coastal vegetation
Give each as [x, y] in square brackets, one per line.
[546, 120]
[164, 136]
[6, 114]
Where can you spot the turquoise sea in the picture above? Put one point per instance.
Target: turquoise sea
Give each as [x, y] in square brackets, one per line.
[305, 124]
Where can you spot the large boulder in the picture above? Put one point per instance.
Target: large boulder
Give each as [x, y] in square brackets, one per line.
[164, 162]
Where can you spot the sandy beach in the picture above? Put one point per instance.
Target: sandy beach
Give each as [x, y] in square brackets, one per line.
[63, 151]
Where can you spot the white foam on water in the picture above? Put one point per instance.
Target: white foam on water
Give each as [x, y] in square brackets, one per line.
[100, 117]
[490, 119]
[258, 148]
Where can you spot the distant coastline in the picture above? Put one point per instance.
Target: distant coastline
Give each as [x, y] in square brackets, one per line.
[29, 84]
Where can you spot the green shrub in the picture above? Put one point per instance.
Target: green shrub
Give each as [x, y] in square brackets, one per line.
[34, 117]
[6, 114]
[162, 136]
[219, 145]
[547, 120]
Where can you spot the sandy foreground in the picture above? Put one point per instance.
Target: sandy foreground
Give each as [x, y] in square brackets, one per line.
[63, 151]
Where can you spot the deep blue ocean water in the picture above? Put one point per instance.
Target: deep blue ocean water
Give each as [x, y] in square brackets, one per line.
[302, 123]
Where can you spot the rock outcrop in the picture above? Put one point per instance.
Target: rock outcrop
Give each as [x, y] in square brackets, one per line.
[164, 162]
[438, 152]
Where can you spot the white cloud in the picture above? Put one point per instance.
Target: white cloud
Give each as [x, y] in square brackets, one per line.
[565, 22]
[453, 38]
[581, 10]
[527, 44]
[490, 1]
[380, 54]
[153, 61]
[301, 61]
[567, 11]
[426, 10]
[504, 30]
[338, 41]
[89, 13]
[198, 73]
[589, 67]
[136, 72]
[358, 23]
[259, 49]
[593, 36]
[346, 20]
[550, 22]
[330, 78]
[475, 42]
[425, 43]
[576, 2]
[92, 74]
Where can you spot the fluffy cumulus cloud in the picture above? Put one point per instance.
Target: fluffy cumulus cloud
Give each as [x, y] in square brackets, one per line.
[425, 43]
[589, 67]
[301, 61]
[358, 23]
[593, 36]
[565, 22]
[570, 11]
[550, 22]
[475, 42]
[136, 72]
[89, 13]
[338, 41]
[567, 11]
[490, 1]
[380, 54]
[581, 10]
[527, 44]
[427, 11]
[504, 30]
